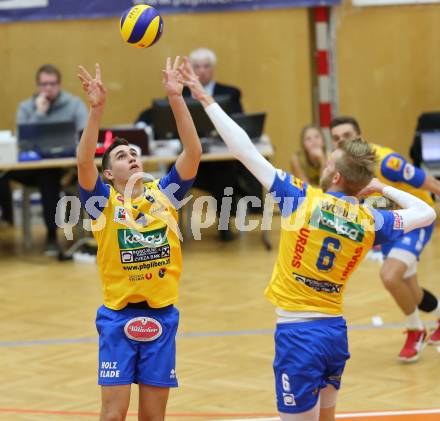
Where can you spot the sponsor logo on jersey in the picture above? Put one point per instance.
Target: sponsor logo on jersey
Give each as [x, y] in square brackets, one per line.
[300, 247]
[289, 399]
[131, 239]
[120, 214]
[145, 254]
[134, 278]
[297, 182]
[329, 222]
[143, 329]
[319, 286]
[394, 163]
[109, 369]
[352, 263]
[408, 172]
[136, 247]
[398, 221]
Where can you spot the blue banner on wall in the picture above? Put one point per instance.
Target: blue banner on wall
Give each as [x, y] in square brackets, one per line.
[13, 10]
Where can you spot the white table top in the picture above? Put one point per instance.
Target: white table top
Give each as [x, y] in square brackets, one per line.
[163, 152]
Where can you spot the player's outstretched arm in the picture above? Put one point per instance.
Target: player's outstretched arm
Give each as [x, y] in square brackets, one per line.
[396, 168]
[188, 161]
[96, 96]
[415, 213]
[233, 135]
[431, 184]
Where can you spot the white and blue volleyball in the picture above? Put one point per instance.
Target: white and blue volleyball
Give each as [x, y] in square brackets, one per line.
[141, 26]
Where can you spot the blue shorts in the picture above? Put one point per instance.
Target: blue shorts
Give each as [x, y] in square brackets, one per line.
[413, 241]
[308, 357]
[137, 346]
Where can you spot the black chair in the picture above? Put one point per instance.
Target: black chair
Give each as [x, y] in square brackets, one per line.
[427, 122]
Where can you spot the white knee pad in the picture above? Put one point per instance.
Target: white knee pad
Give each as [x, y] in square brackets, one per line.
[406, 257]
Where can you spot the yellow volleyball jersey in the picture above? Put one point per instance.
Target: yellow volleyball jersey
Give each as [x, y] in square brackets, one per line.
[394, 170]
[139, 255]
[324, 238]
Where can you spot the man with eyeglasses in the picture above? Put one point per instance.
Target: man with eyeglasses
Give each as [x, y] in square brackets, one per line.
[50, 104]
[203, 62]
[214, 177]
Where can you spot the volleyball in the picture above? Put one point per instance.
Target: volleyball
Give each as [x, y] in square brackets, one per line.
[141, 26]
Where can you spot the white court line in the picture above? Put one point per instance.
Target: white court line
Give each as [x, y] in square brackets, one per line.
[389, 413]
[353, 415]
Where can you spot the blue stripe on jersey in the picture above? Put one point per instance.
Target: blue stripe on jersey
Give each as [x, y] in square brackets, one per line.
[288, 190]
[100, 193]
[386, 227]
[178, 191]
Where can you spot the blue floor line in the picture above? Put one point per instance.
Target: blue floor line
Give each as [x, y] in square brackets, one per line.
[64, 341]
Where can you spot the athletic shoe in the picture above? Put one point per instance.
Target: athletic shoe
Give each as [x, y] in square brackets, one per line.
[51, 248]
[434, 339]
[415, 342]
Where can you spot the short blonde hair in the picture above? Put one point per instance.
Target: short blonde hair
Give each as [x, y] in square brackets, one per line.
[203, 54]
[357, 165]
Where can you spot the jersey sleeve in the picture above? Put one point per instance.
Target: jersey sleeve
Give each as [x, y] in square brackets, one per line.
[288, 190]
[174, 187]
[395, 168]
[388, 226]
[96, 200]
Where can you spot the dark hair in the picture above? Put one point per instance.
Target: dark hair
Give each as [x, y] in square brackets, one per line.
[48, 68]
[337, 121]
[117, 141]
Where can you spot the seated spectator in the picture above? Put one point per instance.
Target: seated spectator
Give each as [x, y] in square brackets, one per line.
[52, 105]
[308, 162]
[214, 177]
[204, 61]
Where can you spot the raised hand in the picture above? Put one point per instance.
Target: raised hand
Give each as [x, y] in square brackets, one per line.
[171, 78]
[191, 80]
[93, 87]
[317, 153]
[42, 104]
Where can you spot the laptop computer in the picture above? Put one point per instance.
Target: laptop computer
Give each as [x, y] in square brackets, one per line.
[430, 142]
[134, 135]
[252, 124]
[48, 140]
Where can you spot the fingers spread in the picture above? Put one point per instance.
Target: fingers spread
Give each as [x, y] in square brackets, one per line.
[85, 73]
[176, 63]
[82, 78]
[98, 72]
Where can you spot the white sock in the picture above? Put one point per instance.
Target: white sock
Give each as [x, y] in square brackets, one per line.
[413, 321]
